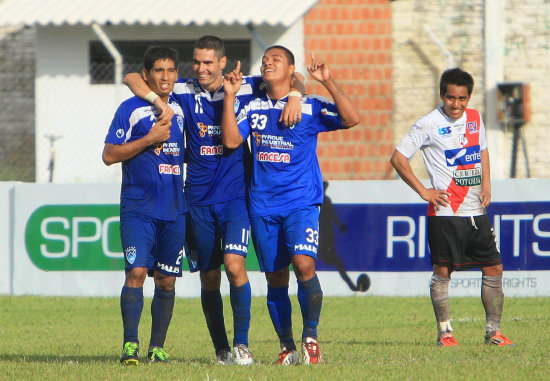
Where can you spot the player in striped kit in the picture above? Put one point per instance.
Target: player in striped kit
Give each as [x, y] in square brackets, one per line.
[460, 234]
[286, 188]
[153, 210]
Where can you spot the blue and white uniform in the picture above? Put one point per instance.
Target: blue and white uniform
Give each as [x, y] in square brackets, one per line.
[286, 187]
[215, 186]
[152, 204]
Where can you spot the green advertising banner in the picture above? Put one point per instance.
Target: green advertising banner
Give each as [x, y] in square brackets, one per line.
[82, 238]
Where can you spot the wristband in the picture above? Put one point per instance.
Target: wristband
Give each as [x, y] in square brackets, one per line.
[295, 93]
[150, 97]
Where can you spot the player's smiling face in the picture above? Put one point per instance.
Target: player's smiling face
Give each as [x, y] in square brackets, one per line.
[275, 65]
[455, 101]
[162, 77]
[208, 68]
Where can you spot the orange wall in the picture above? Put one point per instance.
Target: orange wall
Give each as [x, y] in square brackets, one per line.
[355, 38]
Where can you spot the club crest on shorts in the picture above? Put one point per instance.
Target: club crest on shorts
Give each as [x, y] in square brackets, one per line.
[130, 254]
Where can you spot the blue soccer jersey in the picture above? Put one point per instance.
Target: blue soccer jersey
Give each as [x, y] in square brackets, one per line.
[214, 174]
[152, 181]
[286, 173]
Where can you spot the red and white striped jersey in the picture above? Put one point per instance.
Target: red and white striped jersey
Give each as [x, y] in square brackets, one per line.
[451, 149]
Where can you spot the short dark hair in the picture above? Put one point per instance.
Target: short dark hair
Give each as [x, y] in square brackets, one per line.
[155, 53]
[287, 51]
[211, 43]
[458, 77]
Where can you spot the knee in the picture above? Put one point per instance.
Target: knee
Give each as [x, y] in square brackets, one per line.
[136, 277]
[279, 278]
[165, 282]
[210, 280]
[235, 269]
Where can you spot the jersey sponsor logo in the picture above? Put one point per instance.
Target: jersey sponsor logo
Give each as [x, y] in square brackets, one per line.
[272, 141]
[463, 156]
[158, 148]
[211, 150]
[301, 246]
[467, 177]
[169, 169]
[472, 127]
[171, 148]
[324, 111]
[130, 254]
[120, 133]
[273, 157]
[236, 247]
[446, 130]
[209, 130]
[168, 269]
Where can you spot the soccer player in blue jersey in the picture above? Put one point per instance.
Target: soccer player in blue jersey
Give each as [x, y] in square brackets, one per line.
[153, 210]
[286, 188]
[215, 191]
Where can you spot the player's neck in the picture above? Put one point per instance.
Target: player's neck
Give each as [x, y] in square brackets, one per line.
[277, 91]
[214, 86]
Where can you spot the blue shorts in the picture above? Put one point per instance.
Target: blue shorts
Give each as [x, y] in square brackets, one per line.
[278, 237]
[218, 229]
[155, 244]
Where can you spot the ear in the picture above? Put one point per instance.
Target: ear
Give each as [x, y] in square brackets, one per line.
[223, 62]
[292, 69]
[144, 74]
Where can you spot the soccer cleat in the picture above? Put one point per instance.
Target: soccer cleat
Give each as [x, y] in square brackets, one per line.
[288, 357]
[242, 355]
[447, 340]
[496, 338]
[224, 357]
[311, 352]
[130, 354]
[157, 354]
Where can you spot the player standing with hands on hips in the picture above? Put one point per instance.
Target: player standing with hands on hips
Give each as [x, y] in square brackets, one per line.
[152, 206]
[460, 234]
[286, 188]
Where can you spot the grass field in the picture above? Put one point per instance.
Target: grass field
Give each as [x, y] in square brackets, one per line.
[53, 338]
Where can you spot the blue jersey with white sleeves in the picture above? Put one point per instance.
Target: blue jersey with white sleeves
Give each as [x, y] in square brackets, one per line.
[214, 174]
[286, 173]
[152, 181]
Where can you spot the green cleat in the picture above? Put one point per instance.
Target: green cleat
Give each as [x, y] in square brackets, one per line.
[157, 354]
[130, 354]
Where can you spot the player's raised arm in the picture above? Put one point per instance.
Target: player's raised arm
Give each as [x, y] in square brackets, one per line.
[231, 137]
[141, 89]
[115, 153]
[292, 113]
[320, 71]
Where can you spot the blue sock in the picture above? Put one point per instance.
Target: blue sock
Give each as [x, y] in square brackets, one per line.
[161, 314]
[241, 298]
[131, 305]
[212, 306]
[280, 311]
[310, 297]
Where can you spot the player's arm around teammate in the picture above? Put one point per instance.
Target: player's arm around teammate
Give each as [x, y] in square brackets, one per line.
[292, 113]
